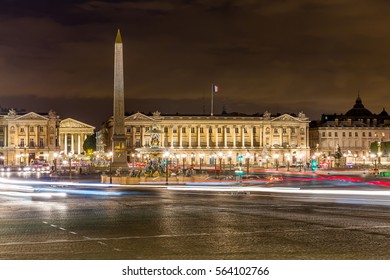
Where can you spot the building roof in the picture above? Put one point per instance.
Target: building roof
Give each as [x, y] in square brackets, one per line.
[358, 109]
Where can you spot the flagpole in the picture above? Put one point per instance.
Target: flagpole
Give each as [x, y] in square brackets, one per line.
[212, 99]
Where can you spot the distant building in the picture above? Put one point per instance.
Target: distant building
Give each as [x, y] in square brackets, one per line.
[352, 133]
[30, 137]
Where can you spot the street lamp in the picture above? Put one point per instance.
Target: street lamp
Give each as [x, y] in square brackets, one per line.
[266, 161]
[70, 165]
[110, 158]
[230, 155]
[247, 157]
[220, 156]
[192, 159]
[364, 160]
[183, 156]
[201, 156]
[276, 156]
[55, 155]
[166, 156]
[379, 153]
[288, 161]
[300, 162]
[133, 158]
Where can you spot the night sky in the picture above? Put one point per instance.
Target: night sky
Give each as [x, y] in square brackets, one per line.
[276, 55]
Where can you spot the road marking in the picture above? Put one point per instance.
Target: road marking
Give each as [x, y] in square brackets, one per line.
[53, 225]
[116, 249]
[61, 228]
[45, 222]
[72, 232]
[102, 243]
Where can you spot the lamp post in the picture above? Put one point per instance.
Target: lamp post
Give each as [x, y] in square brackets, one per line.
[379, 153]
[55, 155]
[166, 157]
[183, 156]
[276, 156]
[220, 155]
[288, 161]
[201, 156]
[70, 165]
[192, 159]
[230, 154]
[266, 161]
[300, 162]
[247, 157]
[214, 156]
[364, 160]
[110, 159]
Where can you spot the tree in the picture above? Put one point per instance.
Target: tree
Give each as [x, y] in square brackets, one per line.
[89, 145]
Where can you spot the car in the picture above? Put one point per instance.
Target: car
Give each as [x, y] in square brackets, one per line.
[374, 171]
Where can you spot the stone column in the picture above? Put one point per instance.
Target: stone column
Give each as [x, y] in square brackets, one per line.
[142, 136]
[171, 128]
[189, 137]
[251, 135]
[72, 143]
[180, 132]
[78, 143]
[162, 143]
[66, 143]
[224, 137]
[234, 137]
[198, 128]
[261, 136]
[216, 136]
[243, 136]
[207, 136]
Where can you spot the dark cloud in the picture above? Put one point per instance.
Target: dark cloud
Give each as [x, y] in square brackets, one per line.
[282, 55]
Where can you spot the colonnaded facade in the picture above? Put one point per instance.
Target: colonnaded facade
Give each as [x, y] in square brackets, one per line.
[29, 137]
[263, 140]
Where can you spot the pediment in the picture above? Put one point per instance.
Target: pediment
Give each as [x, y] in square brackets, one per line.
[285, 118]
[31, 116]
[139, 117]
[72, 123]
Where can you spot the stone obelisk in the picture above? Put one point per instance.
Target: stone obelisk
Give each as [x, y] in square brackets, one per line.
[119, 157]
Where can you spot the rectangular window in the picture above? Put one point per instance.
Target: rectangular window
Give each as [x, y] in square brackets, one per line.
[174, 130]
[210, 130]
[32, 144]
[369, 134]
[364, 134]
[275, 130]
[323, 134]
[293, 130]
[128, 143]
[192, 129]
[22, 129]
[201, 130]
[356, 134]
[41, 143]
[350, 134]
[254, 130]
[219, 130]
[336, 134]
[31, 129]
[344, 134]
[236, 130]
[21, 142]
[41, 129]
[1, 129]
[330, 134]
[137, 143]
[284, 130]
[128, 129]
[165, 129]
[228, 130]
[138, 129]
[183, 129]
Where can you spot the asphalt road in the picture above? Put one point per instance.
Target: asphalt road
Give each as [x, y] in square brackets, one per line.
[158, 223]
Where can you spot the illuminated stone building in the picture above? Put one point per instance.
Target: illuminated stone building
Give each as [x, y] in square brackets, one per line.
[263, 140]
[353, 132]
[29, 137]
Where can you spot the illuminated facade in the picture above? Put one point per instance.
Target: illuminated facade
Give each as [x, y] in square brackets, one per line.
[352, 132]
[260, 139]
[29, 137]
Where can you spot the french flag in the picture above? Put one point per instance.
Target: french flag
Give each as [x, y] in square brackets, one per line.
[215, 88]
